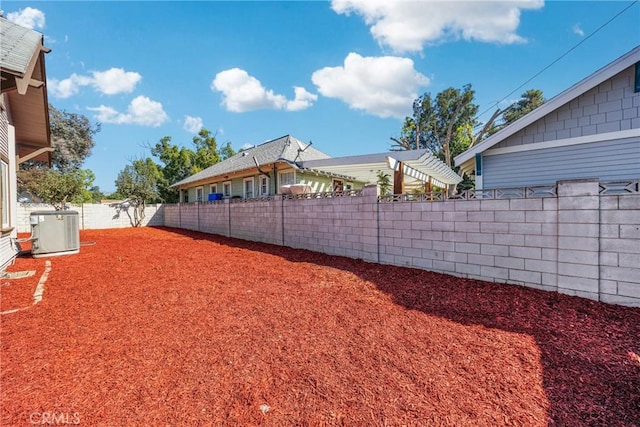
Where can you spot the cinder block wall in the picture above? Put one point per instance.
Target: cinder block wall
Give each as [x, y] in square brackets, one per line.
[619, 249]
[578, 243]
[214, 217]
[510, 241]
[345, 226]
[258, 221]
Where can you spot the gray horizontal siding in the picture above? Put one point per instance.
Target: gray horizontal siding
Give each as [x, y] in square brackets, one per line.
[608, 161]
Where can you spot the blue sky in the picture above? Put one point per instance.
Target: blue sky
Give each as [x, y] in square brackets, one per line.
[342, 74]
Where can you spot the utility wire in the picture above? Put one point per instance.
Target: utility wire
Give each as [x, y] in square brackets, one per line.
[561, 56]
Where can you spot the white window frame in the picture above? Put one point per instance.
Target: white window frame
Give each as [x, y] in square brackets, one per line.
[263, 183]
[4, 193]
[225, 185]
[213, 188]
[200, 194]
[281, 174]
[244, 188]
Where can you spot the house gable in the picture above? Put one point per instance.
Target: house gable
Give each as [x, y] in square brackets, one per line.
[538, 126]
[608, 107]
[591, 130]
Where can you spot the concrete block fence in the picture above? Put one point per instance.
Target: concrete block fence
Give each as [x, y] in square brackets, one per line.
[578, 243]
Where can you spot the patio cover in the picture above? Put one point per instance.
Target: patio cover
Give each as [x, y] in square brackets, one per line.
[418, 164]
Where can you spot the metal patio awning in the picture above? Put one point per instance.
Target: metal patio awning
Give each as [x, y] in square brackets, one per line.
[418, 164]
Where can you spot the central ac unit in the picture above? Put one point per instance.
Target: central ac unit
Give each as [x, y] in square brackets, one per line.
[54, 233]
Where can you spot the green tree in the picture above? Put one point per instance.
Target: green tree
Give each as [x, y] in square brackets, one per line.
[72, 140]
[58, 188]
[71, 137]
[180, 162]
[384, 183]
[529, 101]
[138, 182]
[436, 121]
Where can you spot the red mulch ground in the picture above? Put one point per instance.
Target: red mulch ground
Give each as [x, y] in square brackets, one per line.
[164, 327]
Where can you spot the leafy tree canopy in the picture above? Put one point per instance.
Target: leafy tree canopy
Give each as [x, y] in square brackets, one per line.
[58, 188]
[436, 122]
[181, 162]
[72, 140]
[71, 137]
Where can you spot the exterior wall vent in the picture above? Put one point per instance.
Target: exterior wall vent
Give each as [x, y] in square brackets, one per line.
[54, 233]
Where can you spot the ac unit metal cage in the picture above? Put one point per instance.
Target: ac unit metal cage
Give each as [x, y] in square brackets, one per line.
[54, 233]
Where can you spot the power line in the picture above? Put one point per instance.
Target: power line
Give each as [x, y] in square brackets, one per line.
[560, 57]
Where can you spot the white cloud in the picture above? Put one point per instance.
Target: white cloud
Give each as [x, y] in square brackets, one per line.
[406, 26]
[383, 86]
[67, 87]
[141, 111]
[192, 124]
[115, 80]
[109, 82]
[27, 17]
[242, 92]
[578, 30]
[302, 100]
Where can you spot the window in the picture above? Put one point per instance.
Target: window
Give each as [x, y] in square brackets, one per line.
[4, 194]
[184, 194]
[226, 189]
[287, 178]
[637, 82]
[213, 188]
[338, 185]
[264, 185]
[199, 194]
[248, 188]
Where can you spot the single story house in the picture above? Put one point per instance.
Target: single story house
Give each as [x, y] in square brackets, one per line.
[24, 120]
[267, 169]
[591, 130]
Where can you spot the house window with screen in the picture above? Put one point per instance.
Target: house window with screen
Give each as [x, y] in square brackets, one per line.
[213, 188]
[199, 194]
[287, 178]
[248, 188]
[226, 189]
[264, 185]
[4, 194]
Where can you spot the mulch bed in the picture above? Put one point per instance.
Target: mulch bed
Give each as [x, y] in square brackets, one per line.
[157, 326]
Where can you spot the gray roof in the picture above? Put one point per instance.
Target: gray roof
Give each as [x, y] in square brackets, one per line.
[285, 149]
[17, 47]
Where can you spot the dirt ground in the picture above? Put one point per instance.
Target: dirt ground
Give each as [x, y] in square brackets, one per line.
[157, 326]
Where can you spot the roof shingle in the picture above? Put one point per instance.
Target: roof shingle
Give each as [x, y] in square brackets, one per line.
[285, 149]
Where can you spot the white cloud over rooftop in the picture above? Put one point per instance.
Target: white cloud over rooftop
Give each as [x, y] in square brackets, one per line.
[28, 17]
[242, 92]
[109, 82]
[382, 86]
[141, 111]
[407, 26]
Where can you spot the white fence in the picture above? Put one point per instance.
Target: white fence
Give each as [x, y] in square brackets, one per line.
[92, 216]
